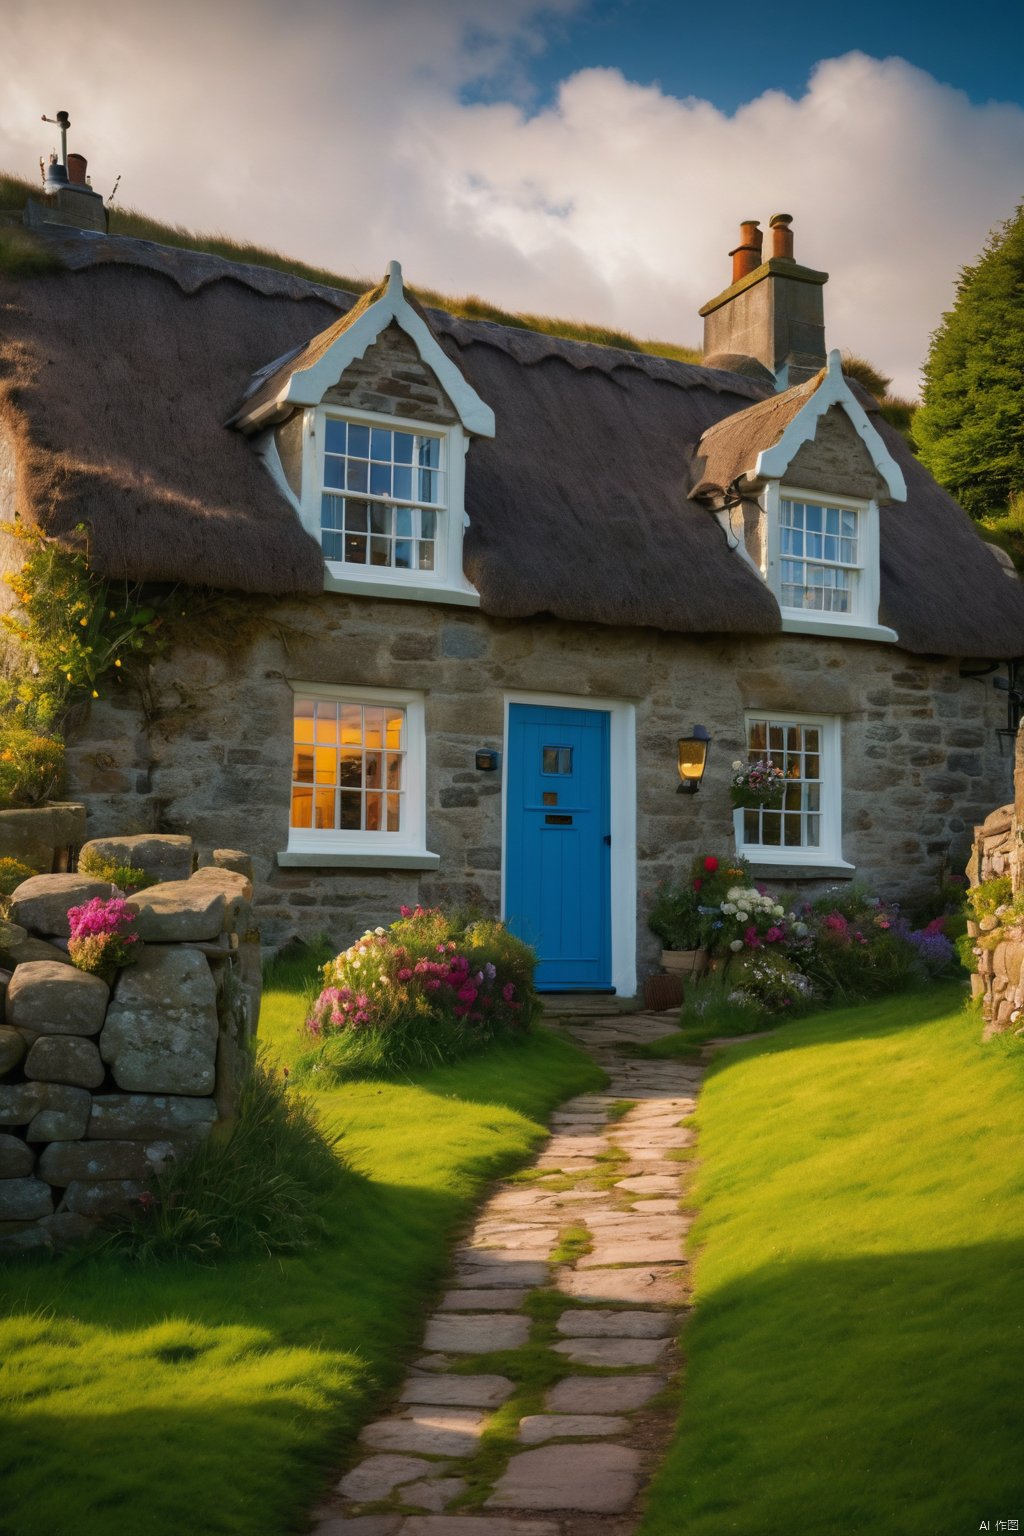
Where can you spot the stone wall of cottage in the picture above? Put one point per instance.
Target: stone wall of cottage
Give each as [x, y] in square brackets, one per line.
[921, 760]
[998, 851]
[103, 1084]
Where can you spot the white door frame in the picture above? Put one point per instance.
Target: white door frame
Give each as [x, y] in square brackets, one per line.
[622, 801]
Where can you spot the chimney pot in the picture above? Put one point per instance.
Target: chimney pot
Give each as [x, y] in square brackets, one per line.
[782, 235]
[746, 257]
[76, 169]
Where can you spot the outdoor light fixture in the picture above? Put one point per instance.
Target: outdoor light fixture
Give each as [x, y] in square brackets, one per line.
[693, 759]
[486, 760]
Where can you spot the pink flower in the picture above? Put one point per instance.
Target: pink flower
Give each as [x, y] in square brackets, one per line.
[752, 938]
[711, 864]
[773, 935]
[508, 991]
[405, 911]
[405, 974]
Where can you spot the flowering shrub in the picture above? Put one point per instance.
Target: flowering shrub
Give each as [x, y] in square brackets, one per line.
[31, 766]
[126, 877]
[754, 784]
[772, 984]
[102, 938]
[686, 913]
[751, 918]
[429, 988]
[12, 873]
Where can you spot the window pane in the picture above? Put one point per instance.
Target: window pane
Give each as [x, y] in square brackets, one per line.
[334, 471]
[751, 827]
[302, 766]
[429, 452]
[373, 725]
[357, 476]
[374, 767]
[323, 808]
[302, 807]
[333, 546]
[757, 736]
[304, 725]
[351, 725]
[394, 770]
[351, 811]
[355, 549]
[380, 479]
[771, 828]
[814, 831]
[793, 831]
[428, 525]
[356, 516]
[426, 556]
[380, 444]
[326, 765]
[403, 447]
[394, 813]
[776, 738]
[335, 436]
[403, 555]
[373, 812]
[359, 441]
[326, 722]
[395, 722]
[403, 483]
[380, 551]
[350, 770]
[380, 519]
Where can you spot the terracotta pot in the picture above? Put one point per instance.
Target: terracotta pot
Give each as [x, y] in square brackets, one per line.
[685, 962]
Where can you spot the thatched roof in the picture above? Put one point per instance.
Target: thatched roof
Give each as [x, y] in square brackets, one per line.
[730, 447]
[118, 375]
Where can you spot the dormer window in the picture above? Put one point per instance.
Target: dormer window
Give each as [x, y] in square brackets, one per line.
[818, 561]
[384, 498]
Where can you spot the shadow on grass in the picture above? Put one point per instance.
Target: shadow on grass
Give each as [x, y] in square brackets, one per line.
[878, 1393]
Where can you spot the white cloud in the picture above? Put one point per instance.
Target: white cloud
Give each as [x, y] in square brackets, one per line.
[338, 132]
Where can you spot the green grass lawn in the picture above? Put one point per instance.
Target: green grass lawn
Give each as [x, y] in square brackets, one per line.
[158, 1401]
[855, 1360]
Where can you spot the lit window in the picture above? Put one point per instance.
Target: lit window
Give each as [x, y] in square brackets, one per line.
[819, 557]
[348, 766]
[358, 780]
[384, 497]
[804, 824]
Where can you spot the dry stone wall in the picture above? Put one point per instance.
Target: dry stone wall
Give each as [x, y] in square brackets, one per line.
[998, 853]
[103, 1085]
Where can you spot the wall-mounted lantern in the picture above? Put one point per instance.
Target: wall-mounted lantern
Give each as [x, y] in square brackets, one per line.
[693, 759]
[487, 760]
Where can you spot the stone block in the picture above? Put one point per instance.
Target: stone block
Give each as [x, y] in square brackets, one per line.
[47, 998]
[66, 1229]
[24, 951]
[162, 856]
[29, 1239]
[42, 903]
[20, 1102]
[233, 859]
[16, 1157]
[102, 1197]
[65, 1059]
[12, 1049]
[64, 1114]
[178, 912]
[34, 835]
[64, 1161]
[595, 1478]
[25, 1199]
[160, 1034]
[139, 1116]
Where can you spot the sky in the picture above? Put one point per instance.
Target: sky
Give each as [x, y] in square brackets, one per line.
[586, 158]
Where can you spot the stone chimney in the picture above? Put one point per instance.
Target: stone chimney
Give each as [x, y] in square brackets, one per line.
[68, 197]
[772, 312]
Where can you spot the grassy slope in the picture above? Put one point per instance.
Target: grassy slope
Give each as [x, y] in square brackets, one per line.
[128, 221]
[167, 1400]
[856, 1355]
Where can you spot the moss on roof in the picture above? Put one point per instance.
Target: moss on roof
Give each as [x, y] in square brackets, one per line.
[129, 221]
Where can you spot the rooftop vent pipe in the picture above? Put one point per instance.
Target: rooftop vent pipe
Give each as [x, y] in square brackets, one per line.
[782, 236]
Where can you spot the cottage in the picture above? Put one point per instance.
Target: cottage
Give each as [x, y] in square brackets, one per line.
[484, 581]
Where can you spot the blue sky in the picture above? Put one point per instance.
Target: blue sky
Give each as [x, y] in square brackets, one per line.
[729, 51]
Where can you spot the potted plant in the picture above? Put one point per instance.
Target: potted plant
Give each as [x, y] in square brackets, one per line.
[757, 784]
[684, 913]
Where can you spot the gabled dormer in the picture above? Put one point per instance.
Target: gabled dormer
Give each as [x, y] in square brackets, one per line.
[365, 428]
[796, 482]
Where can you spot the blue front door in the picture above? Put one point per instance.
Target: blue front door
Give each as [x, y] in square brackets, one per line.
[557, 843]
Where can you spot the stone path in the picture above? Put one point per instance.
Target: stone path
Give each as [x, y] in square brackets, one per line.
[541, 1403]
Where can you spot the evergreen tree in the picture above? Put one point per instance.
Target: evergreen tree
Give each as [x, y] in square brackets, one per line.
[970, 427]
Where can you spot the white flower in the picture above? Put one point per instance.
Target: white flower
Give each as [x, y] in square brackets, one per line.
[800, 929]
[736, 765]
[378, 930]
[743, 917]
[735, 893]
[729, 907]
[778, 911]
[356, 964]
[736, 944]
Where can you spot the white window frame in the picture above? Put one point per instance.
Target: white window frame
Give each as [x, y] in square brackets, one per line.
[830, 850]
[406, 849]
[447, 583]
[862, 622]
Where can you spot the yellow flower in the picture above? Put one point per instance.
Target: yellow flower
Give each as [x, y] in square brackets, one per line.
[83, 622]
[117, 663]
[111, 614]
[68, 676]
[95, 694]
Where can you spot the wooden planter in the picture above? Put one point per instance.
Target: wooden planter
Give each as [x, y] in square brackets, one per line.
[690, 964]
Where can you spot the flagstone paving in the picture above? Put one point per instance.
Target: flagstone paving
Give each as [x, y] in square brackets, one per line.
[596, 1226]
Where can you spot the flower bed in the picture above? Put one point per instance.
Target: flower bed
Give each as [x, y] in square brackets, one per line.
[430, 988]
[841, 948]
